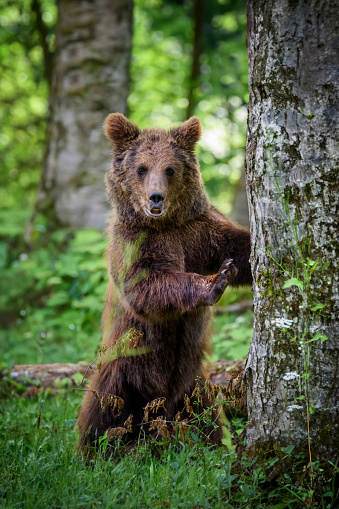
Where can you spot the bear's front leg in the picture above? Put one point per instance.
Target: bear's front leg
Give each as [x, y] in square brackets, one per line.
[164, 293]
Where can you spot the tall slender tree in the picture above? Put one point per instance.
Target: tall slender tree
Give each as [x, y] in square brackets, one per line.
[292, 183]
[90, 78]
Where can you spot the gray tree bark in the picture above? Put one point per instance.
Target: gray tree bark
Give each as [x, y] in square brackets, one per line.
[292, 174]
[239, 212]
[90, 79]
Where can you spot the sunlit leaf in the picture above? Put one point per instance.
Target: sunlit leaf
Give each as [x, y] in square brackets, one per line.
[294, 282]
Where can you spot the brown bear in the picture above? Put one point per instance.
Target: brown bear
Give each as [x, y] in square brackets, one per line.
[170, 257]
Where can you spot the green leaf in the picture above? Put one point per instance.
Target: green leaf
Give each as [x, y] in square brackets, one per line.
[69, 423]
[54, 280]
[311, 263]
[313, 269]
[247, 490]
[194, 437]
[288, 449]
[294, 282]
[77, 378]
[317, 337]
[232, 477]
[317, 306]
[58, 299]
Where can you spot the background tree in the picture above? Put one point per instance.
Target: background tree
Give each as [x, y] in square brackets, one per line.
[198, 23]
[90, 78]
[292, 172]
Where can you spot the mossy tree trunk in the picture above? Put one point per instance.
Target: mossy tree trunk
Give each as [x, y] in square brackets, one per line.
[292, 183]
[90, 79]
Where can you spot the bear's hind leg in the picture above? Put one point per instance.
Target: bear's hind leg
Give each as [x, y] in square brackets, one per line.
[108, 405]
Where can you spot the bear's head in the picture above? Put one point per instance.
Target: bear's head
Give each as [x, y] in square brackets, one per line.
[154, 179]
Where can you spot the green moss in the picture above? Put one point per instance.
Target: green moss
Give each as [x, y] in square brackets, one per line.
[264, 280]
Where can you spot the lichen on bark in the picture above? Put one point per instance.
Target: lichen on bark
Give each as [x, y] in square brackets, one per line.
[294, 99]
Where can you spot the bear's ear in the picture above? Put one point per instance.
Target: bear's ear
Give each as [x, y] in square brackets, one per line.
[120, 131]
[188, 133]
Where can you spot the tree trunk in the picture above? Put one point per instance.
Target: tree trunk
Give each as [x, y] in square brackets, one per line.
[198, 18]
[239, 212]
[89, 80]
[292, 170]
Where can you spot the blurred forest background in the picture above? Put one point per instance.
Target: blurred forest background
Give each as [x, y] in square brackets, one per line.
[188, 58]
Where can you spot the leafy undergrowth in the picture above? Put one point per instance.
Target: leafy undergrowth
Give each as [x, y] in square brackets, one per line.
[40, 468]
[53, 294]
[232, 333]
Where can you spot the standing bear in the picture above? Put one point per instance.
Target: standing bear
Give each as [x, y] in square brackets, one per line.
[170, 257]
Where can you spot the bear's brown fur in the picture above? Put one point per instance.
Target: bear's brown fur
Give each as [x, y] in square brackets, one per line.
[165, 240]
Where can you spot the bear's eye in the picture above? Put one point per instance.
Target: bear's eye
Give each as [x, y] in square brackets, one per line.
[169, 171]
[142, 169]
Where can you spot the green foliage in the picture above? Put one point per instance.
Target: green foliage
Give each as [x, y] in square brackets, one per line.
[52, 297]
[41, 468]
[232, 336]
[24, 102]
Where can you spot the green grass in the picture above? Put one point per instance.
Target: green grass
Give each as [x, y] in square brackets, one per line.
[40, 468]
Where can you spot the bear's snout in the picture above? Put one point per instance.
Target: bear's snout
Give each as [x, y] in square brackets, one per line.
[156, 206]
[156, 200]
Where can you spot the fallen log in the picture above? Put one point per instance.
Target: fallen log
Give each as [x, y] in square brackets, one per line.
[45, 373]
[41, 376]
[220, 372]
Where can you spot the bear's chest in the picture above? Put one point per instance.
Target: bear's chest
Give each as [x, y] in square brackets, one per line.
[181, 250]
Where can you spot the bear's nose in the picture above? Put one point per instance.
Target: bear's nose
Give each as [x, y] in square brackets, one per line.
[156, 198]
